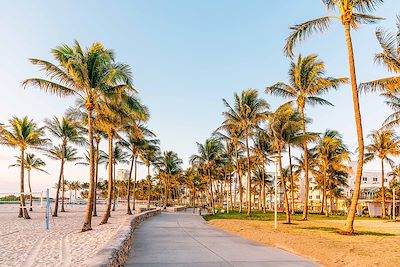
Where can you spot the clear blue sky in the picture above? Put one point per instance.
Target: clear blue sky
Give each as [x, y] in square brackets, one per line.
[186, 56]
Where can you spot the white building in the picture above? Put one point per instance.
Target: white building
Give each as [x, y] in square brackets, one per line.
[122, 175]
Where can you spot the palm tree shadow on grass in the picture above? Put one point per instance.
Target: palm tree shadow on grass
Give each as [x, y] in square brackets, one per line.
[338, 231]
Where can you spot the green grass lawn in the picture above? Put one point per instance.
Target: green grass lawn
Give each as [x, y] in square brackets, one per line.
[269, 216]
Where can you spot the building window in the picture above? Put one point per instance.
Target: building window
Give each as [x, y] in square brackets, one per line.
[310, 197]
[311, 188]
[317, 197]
[385, 180]
[375, 179]
[365, 179]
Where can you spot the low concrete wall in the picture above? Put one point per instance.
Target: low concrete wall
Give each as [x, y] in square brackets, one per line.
[175, 209]
[116, 251]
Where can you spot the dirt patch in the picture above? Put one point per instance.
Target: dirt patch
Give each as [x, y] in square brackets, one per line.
[376, 242]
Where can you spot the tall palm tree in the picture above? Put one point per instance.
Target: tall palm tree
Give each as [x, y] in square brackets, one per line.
[351, 13]
[68, 131]
[234, 136]
[22, 133]
[331, 153]
[283, 122]
[149, 156]
[307, 82]
[63, 154]
[87, 74]
[263, 148]
[114, 114]
[169, 167]
[135, 142]
[247, 113]
[31, 163]
[384, 143]
[208, 155]
[119, 157]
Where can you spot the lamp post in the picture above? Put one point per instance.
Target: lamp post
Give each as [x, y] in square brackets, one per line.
[394, 203]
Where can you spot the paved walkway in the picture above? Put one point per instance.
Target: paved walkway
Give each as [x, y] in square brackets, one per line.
[184, 239]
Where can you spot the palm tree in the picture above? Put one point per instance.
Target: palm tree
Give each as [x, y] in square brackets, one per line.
[331, 153]
[262, 149]
[68, 131]
[209, 155]
[283, 122]
[63, 154]
[307, 82]
[384, 143]
[351, 13]
[247, 113]
[22, 133]
[168, 166]
[234, 135]
[119, 157]
[31, 163]
[87, 74]
[114, 114]
[75, 186]
[135, 142]
[149, 156]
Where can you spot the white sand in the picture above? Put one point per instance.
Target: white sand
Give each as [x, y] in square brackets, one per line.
[27, 243]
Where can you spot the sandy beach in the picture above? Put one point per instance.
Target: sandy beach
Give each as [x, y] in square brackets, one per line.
[27, 243]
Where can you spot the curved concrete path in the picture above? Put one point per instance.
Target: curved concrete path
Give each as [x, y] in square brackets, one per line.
[184, 239]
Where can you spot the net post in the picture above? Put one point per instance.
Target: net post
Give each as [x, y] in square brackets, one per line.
[47, 208]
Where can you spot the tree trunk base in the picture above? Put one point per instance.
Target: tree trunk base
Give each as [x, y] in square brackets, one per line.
[86, 227]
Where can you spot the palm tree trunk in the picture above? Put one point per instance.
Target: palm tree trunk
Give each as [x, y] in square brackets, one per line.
[230, 191]
[360, 139]
[114, 189]
[87, 225]
[323, 203]
[96, 177]
[383, 189]
[149, 179]
[63, 193]
[306, 180]
[263, 186]
[134, 184]
[284, 187]
[59, 181]
[128, 210]
[23, 212]
[291, 177]
[30, 190]
[239, 179]
[211, 191]
[248, 177]
[107, 212]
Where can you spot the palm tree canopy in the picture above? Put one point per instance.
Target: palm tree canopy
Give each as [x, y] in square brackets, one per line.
[384, 143]
[284, 122]
[390, 58]
[67, 129]
[208, 154]
[307, 81]
[70, 153]
[247, 112]
[86, 73]
[169, 163]
[349, 12]
[32, 162]
[22, 133]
